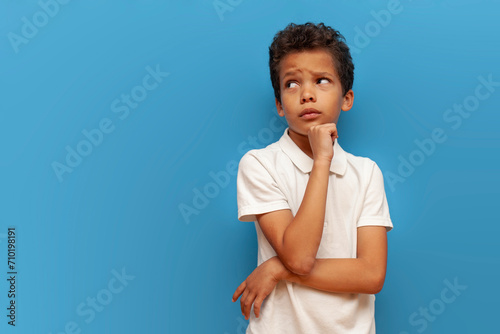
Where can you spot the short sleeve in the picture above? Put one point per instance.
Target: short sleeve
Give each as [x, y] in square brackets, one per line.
[257, 190]
[375, 210]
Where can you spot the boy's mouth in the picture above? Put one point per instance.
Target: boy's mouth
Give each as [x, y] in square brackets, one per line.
[309, 113]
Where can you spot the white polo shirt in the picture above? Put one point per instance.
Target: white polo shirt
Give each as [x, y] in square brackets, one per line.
[275, 178]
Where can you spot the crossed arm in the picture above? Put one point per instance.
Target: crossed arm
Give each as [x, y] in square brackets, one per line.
[296, 240]
[364, 274]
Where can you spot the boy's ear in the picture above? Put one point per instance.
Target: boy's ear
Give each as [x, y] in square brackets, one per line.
[348, 100]
[279, 107]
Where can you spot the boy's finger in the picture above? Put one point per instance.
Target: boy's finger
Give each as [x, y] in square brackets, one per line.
[334, 130]
[242, 301]
[331, 128]
[248, 306]
[256, 306]
[238, 291]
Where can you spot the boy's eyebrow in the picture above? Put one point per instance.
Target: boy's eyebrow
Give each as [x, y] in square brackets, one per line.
[314, 73]
[322, 73]
[289, 73]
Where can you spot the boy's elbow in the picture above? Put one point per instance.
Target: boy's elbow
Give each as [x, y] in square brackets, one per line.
[302, 266]
[377, 282]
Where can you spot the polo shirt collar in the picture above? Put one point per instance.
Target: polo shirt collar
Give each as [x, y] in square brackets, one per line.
[305, 163]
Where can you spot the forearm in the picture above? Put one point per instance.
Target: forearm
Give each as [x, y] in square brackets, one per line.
[341, 276]
[302, 237]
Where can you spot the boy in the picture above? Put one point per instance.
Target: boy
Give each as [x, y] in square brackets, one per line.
[320, 213]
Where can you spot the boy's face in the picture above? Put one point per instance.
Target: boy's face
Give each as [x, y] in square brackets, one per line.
[311, 92]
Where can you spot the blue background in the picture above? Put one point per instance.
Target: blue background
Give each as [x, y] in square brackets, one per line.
[119, 208]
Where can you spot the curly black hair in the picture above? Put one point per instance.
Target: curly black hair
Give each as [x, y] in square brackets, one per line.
[308, 36]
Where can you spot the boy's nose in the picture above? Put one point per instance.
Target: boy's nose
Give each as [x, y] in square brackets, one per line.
[307, 95]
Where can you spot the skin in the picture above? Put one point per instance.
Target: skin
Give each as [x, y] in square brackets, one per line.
[308, 79]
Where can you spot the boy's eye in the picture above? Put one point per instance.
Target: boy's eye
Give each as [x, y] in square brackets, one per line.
[290, 84]
[323, 80]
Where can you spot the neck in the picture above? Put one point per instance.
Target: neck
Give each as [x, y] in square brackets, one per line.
[302, 142]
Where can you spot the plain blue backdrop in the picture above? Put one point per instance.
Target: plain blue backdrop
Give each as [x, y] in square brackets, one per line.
[121, 124]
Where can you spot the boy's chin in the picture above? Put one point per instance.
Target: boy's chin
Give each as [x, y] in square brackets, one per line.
[299, 131]
[307, 125]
